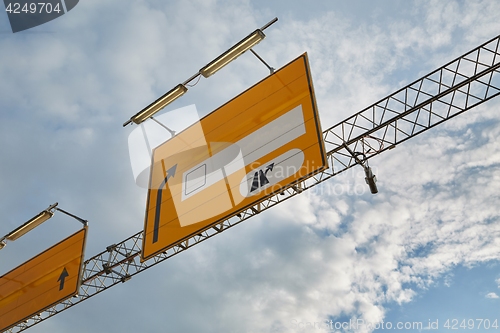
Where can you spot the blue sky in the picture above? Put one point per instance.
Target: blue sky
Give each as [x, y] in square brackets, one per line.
[461, 294]
[425, 247]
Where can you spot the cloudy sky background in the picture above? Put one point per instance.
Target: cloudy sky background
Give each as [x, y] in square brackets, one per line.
[426, 247]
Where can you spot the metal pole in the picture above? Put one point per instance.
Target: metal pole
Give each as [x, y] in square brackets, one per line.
[269, 24]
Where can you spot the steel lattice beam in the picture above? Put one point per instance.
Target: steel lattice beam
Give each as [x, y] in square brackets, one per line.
[445, 93]
[456, 87]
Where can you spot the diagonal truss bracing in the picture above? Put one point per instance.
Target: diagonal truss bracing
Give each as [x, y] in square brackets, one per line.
[448, 91]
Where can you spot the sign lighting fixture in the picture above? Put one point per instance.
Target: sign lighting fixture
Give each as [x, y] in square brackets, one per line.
[35, 222]
[225, 58]
[234, 52]
[157, 105]
[28, 226]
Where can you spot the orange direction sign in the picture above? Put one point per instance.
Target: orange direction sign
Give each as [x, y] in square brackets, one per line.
[264, 140]
[43, 281]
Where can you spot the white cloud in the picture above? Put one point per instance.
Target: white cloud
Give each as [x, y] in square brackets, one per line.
[491, 295]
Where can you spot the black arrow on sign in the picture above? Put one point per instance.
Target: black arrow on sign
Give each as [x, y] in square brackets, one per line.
[170, 173]
[263, 175]
[62, 277]
[260, 178]
[269, 168]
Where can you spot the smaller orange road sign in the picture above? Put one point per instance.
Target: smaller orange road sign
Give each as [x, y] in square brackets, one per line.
[43, 281]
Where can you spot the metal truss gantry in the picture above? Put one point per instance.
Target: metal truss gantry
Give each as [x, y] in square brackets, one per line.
[456, 87]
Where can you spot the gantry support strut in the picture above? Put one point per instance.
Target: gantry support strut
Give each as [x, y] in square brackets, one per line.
[458, 86]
